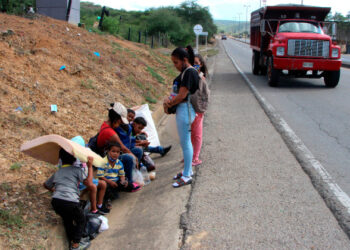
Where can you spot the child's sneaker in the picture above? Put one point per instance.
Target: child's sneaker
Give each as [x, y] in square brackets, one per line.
[82, 245]
[103, 210]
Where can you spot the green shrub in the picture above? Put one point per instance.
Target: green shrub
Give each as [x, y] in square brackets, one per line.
[10, 220]
[149, 99]
[16, 166]
[159, 78]
[89, 84]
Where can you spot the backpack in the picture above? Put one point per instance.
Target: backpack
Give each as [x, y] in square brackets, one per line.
[200, 98]
[92, 144]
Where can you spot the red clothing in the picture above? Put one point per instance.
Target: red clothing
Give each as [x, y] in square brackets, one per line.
[105, 134]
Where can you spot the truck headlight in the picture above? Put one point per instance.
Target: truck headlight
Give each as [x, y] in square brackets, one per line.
[335, 53]
[280, 51]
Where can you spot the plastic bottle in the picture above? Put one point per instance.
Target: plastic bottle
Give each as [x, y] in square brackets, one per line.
[145, 175]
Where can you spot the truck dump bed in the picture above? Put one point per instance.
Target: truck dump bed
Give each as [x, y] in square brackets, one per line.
[273, 14]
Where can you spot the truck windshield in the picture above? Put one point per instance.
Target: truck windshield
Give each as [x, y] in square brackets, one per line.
[302, 27]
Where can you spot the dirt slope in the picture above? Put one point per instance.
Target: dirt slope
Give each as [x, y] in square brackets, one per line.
[31, 54]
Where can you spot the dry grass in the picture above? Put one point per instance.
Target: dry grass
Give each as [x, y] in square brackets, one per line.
[30, 59]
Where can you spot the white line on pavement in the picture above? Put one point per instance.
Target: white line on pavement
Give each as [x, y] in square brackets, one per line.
[333, 195]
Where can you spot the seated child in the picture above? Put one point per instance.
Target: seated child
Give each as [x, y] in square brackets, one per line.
[65, 198]
[113, 173]
[131, 115]
[141, 137]
[96, 188]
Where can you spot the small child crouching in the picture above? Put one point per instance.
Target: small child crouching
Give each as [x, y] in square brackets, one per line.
[65, 199]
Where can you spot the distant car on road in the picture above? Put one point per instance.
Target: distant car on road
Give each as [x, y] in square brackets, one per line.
[223, 37]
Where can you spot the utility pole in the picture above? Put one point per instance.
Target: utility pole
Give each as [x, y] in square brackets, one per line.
[239, 22]
[233, 24]
[246, 17]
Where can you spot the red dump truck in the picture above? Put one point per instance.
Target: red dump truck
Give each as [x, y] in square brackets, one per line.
[289, 40]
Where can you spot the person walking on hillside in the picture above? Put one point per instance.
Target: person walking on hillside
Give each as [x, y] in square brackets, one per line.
[184, 85]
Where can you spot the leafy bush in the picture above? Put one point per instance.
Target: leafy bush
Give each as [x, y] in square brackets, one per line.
[173, 23]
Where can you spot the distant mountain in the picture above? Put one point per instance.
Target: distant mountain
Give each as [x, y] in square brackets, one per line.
[230, 26]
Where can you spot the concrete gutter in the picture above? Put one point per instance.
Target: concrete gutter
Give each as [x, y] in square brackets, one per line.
[345, 61]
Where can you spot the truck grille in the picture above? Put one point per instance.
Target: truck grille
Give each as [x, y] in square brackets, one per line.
[315, 48]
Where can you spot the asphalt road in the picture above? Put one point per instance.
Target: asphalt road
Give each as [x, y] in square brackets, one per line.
[319, 116]
[250, 192]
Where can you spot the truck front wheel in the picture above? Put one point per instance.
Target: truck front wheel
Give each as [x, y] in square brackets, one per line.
[331, 78]
[255, 63]
[273, 74]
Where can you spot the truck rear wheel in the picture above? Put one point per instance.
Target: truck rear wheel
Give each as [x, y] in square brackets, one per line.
[255, 63]
[331, 78]
[273, 74]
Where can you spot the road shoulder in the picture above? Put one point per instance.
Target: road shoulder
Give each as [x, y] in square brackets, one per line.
[250, 192]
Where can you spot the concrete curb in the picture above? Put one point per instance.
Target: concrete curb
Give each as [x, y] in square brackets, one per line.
[345, 65]
[335, 198]
[184, 216]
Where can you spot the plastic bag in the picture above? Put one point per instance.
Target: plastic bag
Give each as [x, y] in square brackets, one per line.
[104, 225]
[137, 177]
[145, 175]
[93, 224]
[148, 162]
[150, 129]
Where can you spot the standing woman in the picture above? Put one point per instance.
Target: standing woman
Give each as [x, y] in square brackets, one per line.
[197, 125]
[186, 83]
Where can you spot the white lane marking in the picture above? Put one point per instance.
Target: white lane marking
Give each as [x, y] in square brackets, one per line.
[338, 193]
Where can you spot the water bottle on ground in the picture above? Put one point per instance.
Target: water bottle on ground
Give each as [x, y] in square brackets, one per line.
[145, 175]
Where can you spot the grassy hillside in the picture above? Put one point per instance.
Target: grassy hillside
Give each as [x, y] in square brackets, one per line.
[31, 54]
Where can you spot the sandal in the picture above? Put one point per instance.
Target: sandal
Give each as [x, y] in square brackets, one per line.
[196, 162]
[180, 182]
[136, 187]
[179, 175]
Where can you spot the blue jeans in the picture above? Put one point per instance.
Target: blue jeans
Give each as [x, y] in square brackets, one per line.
[183, 125]
[138, 152]
[129, 163]
[157, 150]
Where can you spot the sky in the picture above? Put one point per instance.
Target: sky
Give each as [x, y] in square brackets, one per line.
[223, 9]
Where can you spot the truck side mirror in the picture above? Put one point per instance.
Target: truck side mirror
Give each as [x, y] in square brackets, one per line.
[334, 31]
[262, 27]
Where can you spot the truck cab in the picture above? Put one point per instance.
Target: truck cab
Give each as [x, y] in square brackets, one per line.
[288, 40]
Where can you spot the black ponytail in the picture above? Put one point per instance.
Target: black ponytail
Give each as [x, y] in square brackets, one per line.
[182, 53]
[190, 54]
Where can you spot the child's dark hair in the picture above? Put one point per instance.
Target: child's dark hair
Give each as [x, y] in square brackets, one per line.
[131, 111]
[182, 53]
[113, 116]
[66, 157]
[203, 68]
[140, 120]
[112, 144]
